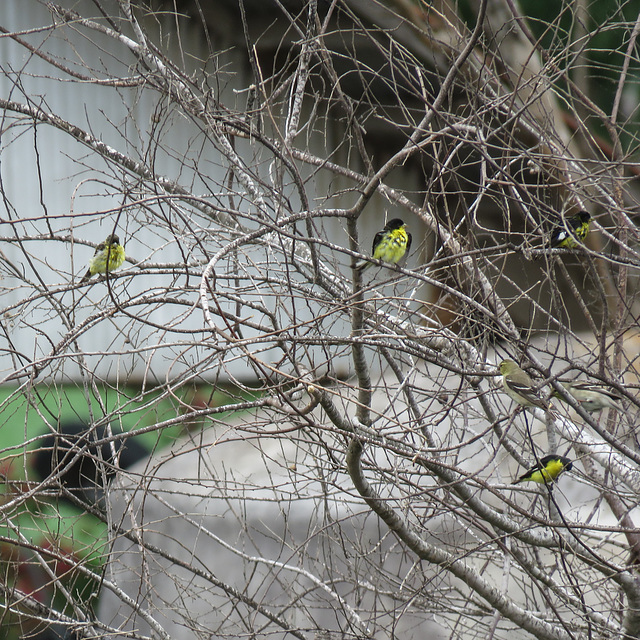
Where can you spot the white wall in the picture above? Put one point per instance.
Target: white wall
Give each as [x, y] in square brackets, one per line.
[53, 186]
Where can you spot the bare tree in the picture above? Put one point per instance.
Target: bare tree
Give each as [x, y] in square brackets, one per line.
[356, 481]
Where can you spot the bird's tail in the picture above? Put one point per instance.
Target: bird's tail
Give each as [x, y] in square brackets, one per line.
[363, 265]
[86, 276]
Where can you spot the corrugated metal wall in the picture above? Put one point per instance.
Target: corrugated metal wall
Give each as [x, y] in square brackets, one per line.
[53, 188]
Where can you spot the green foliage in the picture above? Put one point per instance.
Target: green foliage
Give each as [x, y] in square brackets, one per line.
[601, 43]
[37, 527]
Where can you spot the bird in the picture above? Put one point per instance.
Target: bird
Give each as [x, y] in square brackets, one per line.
[109, 256]
[592, 397]
[389, 245]
[571, 231]
[519, 386]
[546, 470]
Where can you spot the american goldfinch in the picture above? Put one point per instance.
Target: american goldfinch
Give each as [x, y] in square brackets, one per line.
[519, 386]
[389, 245]
[593, 397]
[109, 256]
[571, 231]
[547, 470]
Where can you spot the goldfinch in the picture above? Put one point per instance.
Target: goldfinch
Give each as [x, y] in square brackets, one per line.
[571, 231]
[547, 470]
[593, 397]
[389, 245]
[519, 386]
[109, 256]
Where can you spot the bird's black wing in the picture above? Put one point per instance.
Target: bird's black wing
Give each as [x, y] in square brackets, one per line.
[558, 236]
[377, 239]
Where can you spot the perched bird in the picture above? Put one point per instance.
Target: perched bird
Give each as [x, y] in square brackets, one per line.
[592, 397]
[570, 231]
[519, 386]
[109, 256]
[390, 244]
[547, 470]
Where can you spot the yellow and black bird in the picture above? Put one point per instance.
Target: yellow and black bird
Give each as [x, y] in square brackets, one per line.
[571, 231]
[547, 470]
[389, 245]
[109, 256]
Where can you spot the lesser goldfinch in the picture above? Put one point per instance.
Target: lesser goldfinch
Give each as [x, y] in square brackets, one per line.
[593, 397]
[570, 231]
[390, 244]
[519, 386]
[547, 470]
[109, 256]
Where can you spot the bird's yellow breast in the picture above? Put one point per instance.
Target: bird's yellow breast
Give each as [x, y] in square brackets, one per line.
[551, 471]
[392, 246]
[114, 255]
